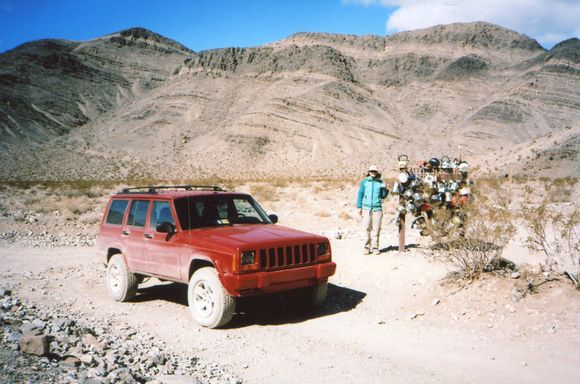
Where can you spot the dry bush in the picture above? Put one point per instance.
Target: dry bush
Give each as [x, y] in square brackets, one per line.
[264, 192]
[555, 234]
[475, 246]
[279, 182]
[331, 185]
[90, 218]
[559, 190]
[72, 203]
[322, 213]
[344, 215]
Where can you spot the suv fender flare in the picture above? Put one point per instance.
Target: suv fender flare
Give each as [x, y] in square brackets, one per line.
[115, 249]
[195, 262]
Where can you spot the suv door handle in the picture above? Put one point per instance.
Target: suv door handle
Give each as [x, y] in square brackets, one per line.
[125, 232]
[148, 235]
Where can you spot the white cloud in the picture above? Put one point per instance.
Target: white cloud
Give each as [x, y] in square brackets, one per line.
[548, 21]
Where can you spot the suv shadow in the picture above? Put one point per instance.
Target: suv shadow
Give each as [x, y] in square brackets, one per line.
[168, 291]
[273, 309]
[286, 307]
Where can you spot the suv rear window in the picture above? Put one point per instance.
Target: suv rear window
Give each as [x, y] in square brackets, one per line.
[116, 212]
[138, 213]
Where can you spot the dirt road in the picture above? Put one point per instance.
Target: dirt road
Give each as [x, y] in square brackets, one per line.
[388, 318]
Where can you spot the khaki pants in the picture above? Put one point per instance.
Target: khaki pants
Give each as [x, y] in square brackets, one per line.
[372, 228]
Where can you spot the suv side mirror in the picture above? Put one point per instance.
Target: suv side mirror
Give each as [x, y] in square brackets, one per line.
[273, 218]
[165, 227]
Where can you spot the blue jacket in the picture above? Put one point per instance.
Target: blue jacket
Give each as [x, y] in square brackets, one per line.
[371, 194]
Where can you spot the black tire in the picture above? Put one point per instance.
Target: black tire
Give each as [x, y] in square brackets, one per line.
[208, 301]
[121, 283]
[316, 295]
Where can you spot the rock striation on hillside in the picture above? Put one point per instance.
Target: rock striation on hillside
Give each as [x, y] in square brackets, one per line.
[50, 87]
[137, 105]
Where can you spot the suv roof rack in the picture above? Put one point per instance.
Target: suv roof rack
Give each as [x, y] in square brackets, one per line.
[187, 187]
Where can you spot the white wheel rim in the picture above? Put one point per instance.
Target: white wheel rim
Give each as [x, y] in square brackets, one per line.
[203, 299]
[115, 278]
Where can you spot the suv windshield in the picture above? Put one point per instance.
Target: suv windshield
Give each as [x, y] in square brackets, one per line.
[211, 211]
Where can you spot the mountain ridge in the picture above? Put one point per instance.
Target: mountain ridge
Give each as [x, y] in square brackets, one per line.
[310, 104]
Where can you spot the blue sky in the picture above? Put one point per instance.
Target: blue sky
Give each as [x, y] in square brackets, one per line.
[206, 24]
[198, 24]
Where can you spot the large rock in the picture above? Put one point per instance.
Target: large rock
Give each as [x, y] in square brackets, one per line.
[34, 344]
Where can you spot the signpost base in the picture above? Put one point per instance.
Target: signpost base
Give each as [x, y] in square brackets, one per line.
[402, 232]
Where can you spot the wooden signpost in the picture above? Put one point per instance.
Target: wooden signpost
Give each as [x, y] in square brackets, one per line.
[402, 232]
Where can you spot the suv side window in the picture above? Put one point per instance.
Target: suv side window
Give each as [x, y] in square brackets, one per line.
[138, 213]
[116, 212]
[161, 212]
[246, 211]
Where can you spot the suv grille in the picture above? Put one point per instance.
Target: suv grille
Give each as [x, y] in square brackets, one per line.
[290, 255]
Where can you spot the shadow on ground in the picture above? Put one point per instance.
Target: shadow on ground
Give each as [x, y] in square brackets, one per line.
[395, 248]
[287, 307]
[170, 292]
[273, 309]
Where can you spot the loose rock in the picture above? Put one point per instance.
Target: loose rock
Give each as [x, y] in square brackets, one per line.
[34, 344]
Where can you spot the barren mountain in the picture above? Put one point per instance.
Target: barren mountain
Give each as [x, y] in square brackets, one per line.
[135, 104]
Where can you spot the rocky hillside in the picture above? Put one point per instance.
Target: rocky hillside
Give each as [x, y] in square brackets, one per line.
[135, 104]
[50, 87]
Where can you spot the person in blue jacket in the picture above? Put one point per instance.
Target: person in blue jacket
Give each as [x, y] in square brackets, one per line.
[371, 193]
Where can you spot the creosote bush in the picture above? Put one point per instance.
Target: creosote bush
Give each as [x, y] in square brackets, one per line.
[555, 234]
[475, 246]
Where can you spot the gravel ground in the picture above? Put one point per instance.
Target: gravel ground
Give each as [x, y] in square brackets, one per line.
[391, 317]
[42, 346]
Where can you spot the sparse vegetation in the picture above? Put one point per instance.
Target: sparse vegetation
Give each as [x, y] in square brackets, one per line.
[264, 192]
[322, 213]
[476, 245]
[343, 215]
[555, 234]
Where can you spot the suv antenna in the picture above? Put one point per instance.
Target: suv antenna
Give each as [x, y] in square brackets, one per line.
[188, 216]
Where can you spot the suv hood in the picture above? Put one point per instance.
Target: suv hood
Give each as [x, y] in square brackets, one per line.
[251, 236]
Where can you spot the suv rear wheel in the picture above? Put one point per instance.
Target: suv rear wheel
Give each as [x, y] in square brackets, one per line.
[209, 303]
[121, 283]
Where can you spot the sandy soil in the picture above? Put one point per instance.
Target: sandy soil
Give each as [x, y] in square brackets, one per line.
[389, 317]
[380, 321]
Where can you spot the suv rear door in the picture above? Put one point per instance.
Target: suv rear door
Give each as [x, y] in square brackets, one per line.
[133, 235]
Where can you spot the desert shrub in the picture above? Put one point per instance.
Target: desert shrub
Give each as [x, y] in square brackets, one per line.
[264, 192]
[555, 234]
[345, 215]
[279, 182]
[322, 213]
[559, 190]
[474, 238]
[90, 218]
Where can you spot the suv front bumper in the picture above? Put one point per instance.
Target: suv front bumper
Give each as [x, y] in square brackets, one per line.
[275, 281]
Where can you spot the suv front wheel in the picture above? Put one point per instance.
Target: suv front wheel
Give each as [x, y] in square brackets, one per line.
[316, 295]
[121, 283]
[209, 303]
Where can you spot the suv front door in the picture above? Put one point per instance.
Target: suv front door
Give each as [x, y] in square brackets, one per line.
[161, 251]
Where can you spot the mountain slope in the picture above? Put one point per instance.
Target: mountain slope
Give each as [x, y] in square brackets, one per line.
[139, 105]
[50, 87]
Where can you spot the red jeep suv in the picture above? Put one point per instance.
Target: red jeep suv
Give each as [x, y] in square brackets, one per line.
[222, 244]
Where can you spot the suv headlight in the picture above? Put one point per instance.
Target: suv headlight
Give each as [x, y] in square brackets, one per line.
[248, 257]
[321, 249]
